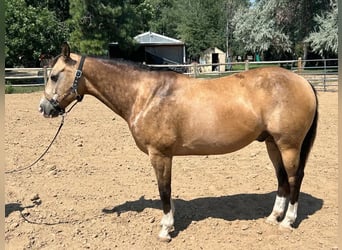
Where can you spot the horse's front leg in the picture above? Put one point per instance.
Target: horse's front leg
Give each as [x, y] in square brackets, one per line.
[162, 167]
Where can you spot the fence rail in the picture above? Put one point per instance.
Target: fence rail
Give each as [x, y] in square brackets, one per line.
[26, 77]
[322, 73]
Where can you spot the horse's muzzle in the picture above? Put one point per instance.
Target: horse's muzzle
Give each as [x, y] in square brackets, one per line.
[50, 109]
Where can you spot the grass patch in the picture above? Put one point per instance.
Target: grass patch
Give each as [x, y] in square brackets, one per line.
[12, 89]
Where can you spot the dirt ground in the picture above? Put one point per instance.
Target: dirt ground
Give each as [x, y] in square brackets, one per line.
[95, 190]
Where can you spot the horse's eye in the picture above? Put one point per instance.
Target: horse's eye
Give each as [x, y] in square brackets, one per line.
[54, 78]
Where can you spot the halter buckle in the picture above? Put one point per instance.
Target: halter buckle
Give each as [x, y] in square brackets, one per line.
[78, 74]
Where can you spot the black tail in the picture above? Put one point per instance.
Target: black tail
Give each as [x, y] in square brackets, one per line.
[310, 136]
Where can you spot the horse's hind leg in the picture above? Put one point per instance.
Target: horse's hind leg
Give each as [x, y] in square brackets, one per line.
[162, 167]
[283, 184]
[295, 173]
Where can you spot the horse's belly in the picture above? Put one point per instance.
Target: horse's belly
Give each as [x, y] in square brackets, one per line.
[215, 143]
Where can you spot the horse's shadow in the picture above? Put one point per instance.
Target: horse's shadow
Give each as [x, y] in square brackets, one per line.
[230, 208]
[14, 207]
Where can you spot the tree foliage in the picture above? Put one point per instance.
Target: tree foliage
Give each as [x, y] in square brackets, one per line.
[325, 37]
[203, 23]
[270, 26]
[98, 22]
[30, 31]
[258, 30]
[163, 19]
[282, 26]
[59, 7]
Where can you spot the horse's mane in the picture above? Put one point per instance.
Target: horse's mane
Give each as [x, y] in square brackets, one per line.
[140, 66]
[124, 63]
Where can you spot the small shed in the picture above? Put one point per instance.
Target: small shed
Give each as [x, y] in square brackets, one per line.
[212, 56]
[154, 48]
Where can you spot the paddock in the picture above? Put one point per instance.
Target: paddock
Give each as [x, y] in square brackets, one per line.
[100, 191]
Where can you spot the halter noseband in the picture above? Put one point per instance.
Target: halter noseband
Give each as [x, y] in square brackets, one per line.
[73, 89]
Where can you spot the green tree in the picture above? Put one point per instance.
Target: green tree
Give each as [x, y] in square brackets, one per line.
[98, 22]
[31, 31]
[59, 7]
[203, 23]
[325, 37]
[278, 25]
[257, 29]
[163, 19]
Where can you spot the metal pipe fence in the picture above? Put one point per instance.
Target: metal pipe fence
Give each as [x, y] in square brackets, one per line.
[26, 77]
[322, 73]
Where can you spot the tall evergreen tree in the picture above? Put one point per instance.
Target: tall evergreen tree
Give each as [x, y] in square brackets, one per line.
[203, 23]
[163, 19]
[98, 22]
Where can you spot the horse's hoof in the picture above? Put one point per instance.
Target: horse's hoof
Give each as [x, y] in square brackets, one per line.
[285, 227]
[164, 236]
[272, 221]
[166, 239]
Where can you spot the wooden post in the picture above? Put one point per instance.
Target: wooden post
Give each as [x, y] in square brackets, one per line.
[246, 65]
[196, 70]
[325, 76]
[300, 65]
[45, 75]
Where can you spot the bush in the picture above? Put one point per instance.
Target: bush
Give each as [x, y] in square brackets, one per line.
[9, 89]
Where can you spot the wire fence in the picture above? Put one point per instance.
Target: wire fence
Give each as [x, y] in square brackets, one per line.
[322, 73]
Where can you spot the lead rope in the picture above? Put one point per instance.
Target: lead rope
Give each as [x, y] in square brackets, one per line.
[47, 149]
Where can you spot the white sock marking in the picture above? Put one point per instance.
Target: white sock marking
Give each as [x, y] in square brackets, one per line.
[167, 223]
[291, 215]
[278, 209]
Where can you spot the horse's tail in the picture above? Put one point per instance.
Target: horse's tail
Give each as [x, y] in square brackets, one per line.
[310, 136]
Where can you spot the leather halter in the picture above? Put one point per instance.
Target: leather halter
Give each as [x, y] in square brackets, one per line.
[73, 89]
[77, 77]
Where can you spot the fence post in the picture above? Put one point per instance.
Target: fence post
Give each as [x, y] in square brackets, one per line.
[325, 75]
[300, 66]
[45, 75]
[196, 72]
[246, 65]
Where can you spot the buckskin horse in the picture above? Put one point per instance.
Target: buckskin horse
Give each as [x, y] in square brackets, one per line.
[170, 114]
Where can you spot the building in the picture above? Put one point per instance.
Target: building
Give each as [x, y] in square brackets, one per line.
[212, 56]
[153, 48]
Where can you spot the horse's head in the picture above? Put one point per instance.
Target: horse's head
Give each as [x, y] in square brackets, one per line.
[64, 84]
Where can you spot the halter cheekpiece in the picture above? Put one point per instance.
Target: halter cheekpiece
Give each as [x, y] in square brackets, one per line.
[77, 77]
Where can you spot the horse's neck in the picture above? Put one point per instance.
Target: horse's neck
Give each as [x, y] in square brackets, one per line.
[113, 86]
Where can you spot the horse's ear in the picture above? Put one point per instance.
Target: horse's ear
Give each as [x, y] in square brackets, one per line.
[65, 50]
